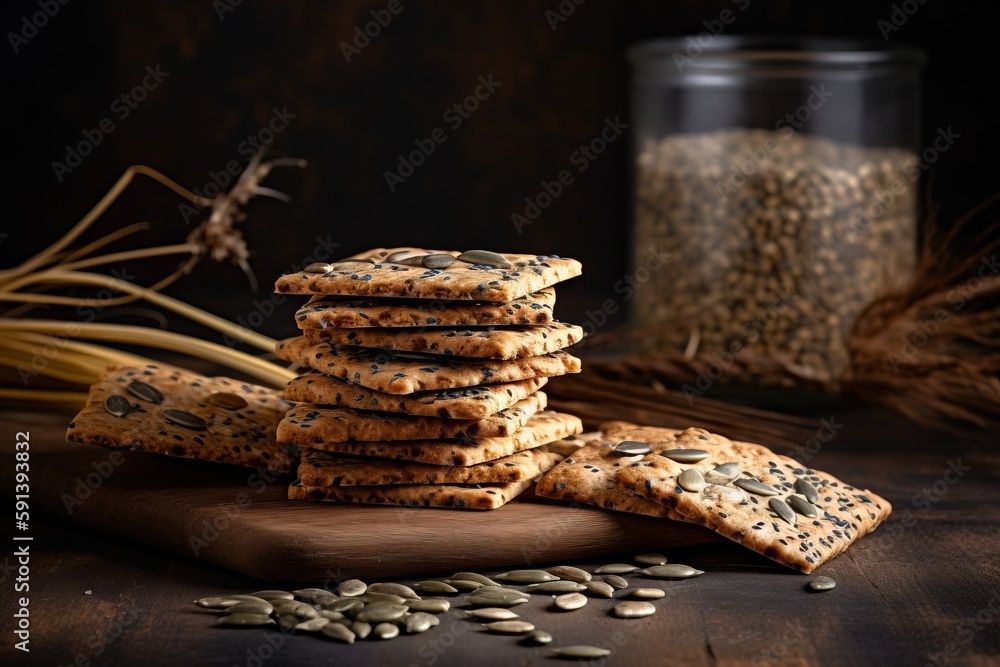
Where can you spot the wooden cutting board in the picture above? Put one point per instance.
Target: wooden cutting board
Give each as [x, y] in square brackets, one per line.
[240, 519]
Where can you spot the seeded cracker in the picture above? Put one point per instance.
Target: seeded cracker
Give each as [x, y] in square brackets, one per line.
[406, 373]
[345, 424]
[502, 343]
[844, 513]
[463, 281]
[462, 403]
[541, 429]
[324, 469]
[323, 312]
[470, 497]
[242, 436]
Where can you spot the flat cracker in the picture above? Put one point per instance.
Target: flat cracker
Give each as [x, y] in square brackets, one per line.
[243, 437]
[460, 281]
[474, 497]
[462, 403]
[845, 513]
[323, 312]
[543, 428]
[492, 343]
[345, 424]
[324, 469]
[588, 476]
[407, 373]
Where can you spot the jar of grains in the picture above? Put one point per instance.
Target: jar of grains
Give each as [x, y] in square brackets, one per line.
[779, 178]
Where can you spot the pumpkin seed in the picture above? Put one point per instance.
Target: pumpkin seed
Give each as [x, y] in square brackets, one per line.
[753, 486]
[615, 581]
[420, 622]
[601, 588]
[580, 652]
[485, 257]
[412, 260]
[394, 589]
[224, 601]
[570, 573]
[282, 607]
[806, 488]
[653, 559]
[538, 637]
[560, 586]
[250, 608]
[273, 595]
[474, 576]
[351, 588]
[144, 392]
[672, 571]
[344, 605]
[339, 632]
[381, 612]
[382, 597]
[722, 474]
[117, 406]
[246, 620]
[570, 601]
[685, 455]
[305, 612]
[495, 600]
[318, 267]
[648, 593]
[313, 624]
[782, 509]
[802, 506]
[330, 615]
[491, 613]
[616, 568]
[226, 400]
[311, 593]
[822, 584]
[527, 576]
[463, 584]
[361, 629]
[288, 621]
[432, 605]
[401, 254]
[185, 419]
[690, 480]
[385, 631]
[634, 609]
[509, 627]
[438, 261]
[632, 448]
[438, 587]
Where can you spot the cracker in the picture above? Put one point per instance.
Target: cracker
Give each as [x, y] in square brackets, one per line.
[406, 373]
[243, 437]
[345, 312]
[345, 424]
[588, 476]
[845, 513]
[504, 344]
[324, 469]
[463, 403]
[473, 497]
[460, 281]
[541, 429]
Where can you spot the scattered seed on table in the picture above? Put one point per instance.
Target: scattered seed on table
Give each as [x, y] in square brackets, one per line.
[615, 581]
[633, 609]
[351, 588]
[672, 571]
[570, 573]
[616, 568]
[538, 637]
[247, 620]
[340, 633]
[601, 588]
[822, 584]
[580, 652]
[492, 613]
[648, 593]
[513, 627]
[570, 601]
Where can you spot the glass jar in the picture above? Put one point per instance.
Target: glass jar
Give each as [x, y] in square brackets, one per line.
[778, 179]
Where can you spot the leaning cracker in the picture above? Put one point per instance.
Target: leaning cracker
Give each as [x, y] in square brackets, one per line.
[491, 343]
[462, 403]
[588, 476]
[844, 513]
[322, 312]
[541, 429]
[324, 469]
[473, 497]
[243, 436]
[345, 424]
[368, 274]
[406, 373]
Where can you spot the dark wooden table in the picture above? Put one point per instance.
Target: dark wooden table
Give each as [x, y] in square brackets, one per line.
[922, 590]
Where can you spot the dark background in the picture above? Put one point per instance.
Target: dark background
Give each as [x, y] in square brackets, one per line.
[353, 119]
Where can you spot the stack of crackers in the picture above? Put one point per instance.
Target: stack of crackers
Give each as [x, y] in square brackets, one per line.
[789, 512]
[423, 372]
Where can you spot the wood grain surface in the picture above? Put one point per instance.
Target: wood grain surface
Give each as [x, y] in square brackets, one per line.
[922, 590]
